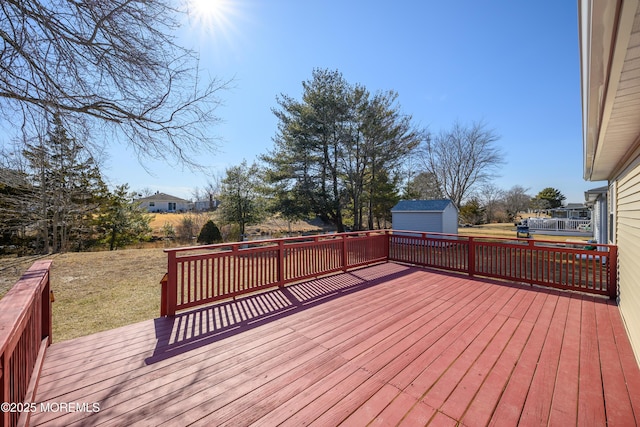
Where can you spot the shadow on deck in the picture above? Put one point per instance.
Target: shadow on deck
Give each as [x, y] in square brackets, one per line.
[195, 328]
[388, 344]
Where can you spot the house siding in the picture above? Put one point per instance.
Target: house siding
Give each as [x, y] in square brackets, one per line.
[164, 206]
[627, 237]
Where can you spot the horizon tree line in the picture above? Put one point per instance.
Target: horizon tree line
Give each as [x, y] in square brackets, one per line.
[340, 153]
[348, 156]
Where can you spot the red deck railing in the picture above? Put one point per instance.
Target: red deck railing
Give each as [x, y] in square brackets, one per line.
[25, 333]
[203, 274]
[590, 268]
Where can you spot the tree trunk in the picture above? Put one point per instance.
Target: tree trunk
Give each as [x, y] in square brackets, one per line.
[54, 231]
[112, 240]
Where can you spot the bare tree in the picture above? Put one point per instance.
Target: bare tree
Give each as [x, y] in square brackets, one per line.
[461, 158]
[190, 226]
[516, 200]
[207, 198]
[106, 62]
[491, 197]
[145, 192]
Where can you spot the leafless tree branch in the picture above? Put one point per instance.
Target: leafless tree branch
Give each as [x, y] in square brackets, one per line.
[107, 64]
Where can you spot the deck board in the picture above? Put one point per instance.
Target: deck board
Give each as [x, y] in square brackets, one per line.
[387, 344]
[565, 399]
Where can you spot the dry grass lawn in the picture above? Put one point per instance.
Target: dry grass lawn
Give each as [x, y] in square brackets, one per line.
[96, 291]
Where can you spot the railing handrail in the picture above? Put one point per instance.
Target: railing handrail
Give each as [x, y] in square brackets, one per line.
[567, 243]
[25, 316]
[274, 241]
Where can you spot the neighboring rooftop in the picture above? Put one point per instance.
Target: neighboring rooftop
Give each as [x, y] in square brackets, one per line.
[163, 197]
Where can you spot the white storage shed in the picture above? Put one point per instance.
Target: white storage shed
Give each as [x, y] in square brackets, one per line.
[436, 216]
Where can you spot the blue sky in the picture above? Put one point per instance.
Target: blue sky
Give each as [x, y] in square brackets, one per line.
[512, 64]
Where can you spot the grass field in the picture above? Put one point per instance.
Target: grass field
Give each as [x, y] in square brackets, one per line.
[271, 226]
[96, 291]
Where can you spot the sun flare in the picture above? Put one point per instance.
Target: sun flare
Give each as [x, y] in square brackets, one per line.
[212, 16]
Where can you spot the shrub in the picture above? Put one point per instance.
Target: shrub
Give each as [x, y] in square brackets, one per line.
[209, 234]
[231, 233]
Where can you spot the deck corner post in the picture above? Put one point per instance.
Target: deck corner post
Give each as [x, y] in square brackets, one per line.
[612, 285]
[172, 285]
[46, 301]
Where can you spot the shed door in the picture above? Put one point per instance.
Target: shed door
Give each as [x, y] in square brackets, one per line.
[628, 241]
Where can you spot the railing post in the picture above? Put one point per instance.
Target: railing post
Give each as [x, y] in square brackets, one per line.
[345, 261]
[387, 249]
[172, 284]
[47, 324]
[612, 285]
[235, 277]
[280, 274]
[471, 262]
[163, 294]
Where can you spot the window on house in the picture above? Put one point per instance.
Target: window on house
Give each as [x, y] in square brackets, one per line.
[152, 204]
[172, 206]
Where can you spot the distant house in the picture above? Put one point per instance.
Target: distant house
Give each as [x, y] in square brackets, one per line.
[572, 211]
[204, 205]
[161, 202]
[437, 216]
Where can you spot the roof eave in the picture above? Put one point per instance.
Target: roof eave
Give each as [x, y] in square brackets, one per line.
[605, 28]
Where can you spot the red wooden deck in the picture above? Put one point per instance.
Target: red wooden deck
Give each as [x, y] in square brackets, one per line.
[387, 344]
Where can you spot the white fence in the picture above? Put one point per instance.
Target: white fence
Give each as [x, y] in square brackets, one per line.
[560, 224]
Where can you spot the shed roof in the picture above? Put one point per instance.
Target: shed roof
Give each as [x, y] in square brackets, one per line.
[438, 205]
